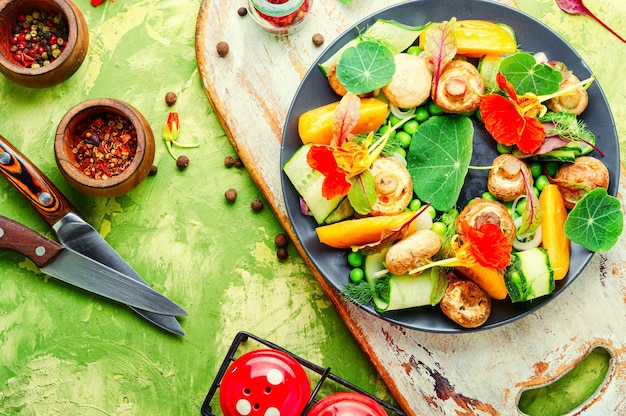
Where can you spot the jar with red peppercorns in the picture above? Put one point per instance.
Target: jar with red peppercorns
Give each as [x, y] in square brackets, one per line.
[279, 17]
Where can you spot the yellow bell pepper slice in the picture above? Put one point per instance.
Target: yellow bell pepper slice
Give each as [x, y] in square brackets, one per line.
[476, 38]
[316, 125]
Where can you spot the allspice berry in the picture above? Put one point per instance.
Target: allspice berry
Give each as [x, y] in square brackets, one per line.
[230, 195]
[222, 48]
[318, 39]
[281, 240]
[153, 170]
[242, 11]
[170, 98]
[229, 161]
[238, 162]
[282, 253]
[182, 162]
[257, 205]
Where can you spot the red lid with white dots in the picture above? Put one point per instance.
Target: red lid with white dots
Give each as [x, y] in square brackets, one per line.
[347, 404]
[264, 382]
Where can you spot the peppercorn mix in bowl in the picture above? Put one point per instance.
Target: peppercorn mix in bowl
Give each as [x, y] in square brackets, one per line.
[104, 147]
[42, 42]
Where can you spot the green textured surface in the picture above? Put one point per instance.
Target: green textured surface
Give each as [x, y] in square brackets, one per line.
[66, 352]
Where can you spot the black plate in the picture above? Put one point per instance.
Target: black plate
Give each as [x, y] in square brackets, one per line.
[532, 36]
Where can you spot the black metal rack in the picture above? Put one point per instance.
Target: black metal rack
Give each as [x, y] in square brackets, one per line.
[325, 374]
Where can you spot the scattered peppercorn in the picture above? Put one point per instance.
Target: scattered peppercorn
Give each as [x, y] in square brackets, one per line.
[182, 162]
[318, 39]
[281, 240]
[238, 162]
[222, 48]
[229, 161]
[282, 253]
[231, 195]
[153, 170]
[257, 205]
[170, 98]
[242, 11]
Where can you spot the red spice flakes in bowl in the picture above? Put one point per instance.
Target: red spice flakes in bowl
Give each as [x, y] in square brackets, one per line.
[104, 145]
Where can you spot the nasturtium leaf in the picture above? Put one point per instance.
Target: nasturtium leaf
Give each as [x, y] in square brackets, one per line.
[438, 159]
[596, 221]
[362, 194]
[522, 70]
[365, 67]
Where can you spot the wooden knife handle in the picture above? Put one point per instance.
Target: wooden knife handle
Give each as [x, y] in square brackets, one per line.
[42, 194]
[21, 239]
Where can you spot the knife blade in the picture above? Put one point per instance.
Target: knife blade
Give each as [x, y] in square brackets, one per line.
[71, 267]
[70, 228]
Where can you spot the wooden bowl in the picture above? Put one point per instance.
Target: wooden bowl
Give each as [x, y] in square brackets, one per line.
[59, 69]
[80, 120]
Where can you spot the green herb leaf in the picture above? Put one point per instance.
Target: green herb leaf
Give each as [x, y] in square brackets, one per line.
[522, 70]
[532, 213]
[596, 221]
[362, 194]
[438, 159]
[366, 67]
[440, 47]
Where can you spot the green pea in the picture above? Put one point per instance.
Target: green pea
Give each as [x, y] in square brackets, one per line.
[414, 50]
[519, 208]
[404, 138]
[535, 169]
[503, 149]
[421, 114]
[357, 274]
[410, 127]
[535, 191]
[394, 120]
[541, 182]
[415, 204]
[355, 259]
[552, 168]
[489, 196]
[440, 228]
[431, 211]
[401, 151]
[433, 109]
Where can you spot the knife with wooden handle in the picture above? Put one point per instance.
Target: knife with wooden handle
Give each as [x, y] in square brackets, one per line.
[71, 267]
[70, 228]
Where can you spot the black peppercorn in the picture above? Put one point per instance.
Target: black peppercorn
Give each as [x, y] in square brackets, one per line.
[318, 39]
[230, 195]
[229, 161]
[182, 162]
[282, 253]
[281, 240]
[222, 48]
[257, 205]
[170, 98]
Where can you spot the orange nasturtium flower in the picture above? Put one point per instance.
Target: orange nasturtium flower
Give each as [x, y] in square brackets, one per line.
[513, 120]
[171, 131]
[339, 164]
[487, 245]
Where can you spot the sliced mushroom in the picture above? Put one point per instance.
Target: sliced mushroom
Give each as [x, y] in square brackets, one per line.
[585, 170]
[459, 88]
[481, 211]
[394, 186]
[505, 181]
[333, 81]
[466, 303]
[574, 102]
[410, 84]
[412, 251]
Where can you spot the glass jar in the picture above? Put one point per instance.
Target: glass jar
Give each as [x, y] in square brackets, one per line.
[279, 17]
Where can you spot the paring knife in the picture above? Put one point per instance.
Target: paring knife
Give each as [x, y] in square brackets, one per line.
[57, 261]
[70, 228]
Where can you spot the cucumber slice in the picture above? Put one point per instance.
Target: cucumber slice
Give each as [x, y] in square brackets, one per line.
[529, 276]
[308, 182]
[343, 212]
[488, 68]
[396, 36]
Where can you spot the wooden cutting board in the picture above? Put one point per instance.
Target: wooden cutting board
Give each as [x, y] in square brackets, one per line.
[479, 373]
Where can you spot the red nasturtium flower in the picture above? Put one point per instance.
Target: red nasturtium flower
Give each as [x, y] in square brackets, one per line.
[339, 164]
[513, 120]
[489, 245]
